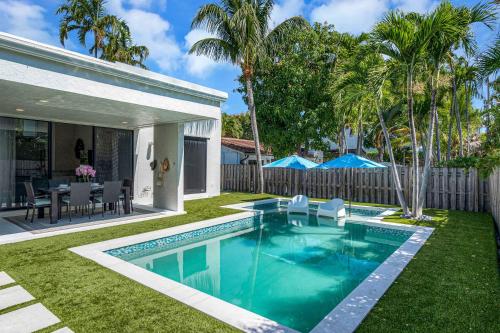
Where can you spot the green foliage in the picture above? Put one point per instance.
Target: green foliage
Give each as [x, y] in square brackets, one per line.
[237, 126]
[489, 163]
[110, 34]
[460, 162]
[294, 102]
[485, 164]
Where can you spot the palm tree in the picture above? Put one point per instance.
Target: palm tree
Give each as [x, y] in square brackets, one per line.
[489, 61]
[242, 36]
[404, 38]
[119, 47]
[86, 16]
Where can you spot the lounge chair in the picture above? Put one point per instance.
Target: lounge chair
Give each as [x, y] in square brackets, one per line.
[334, 208]
[298, 204]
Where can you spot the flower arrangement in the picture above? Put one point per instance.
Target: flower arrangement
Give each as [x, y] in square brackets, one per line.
[85, 172]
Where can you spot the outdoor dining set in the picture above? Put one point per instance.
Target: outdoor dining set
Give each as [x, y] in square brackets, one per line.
[78, 197]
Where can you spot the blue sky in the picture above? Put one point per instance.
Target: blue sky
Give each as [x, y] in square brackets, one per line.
[164, 27]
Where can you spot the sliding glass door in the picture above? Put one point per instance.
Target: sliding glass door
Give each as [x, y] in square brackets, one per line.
[24, 152]
[113, 154]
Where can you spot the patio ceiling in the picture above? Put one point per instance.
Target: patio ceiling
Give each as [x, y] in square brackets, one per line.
[60, 106]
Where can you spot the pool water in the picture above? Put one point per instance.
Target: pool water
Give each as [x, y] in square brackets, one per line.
[282, 204]
[293, 269]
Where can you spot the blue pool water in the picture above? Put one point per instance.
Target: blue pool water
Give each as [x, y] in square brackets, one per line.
[293, 269]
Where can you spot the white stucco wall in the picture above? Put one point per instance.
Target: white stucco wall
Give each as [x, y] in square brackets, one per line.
[144, 154]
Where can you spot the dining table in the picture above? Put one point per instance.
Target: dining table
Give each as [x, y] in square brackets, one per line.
[57, 193]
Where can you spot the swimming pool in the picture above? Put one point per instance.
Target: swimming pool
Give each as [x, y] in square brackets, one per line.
[293, 270]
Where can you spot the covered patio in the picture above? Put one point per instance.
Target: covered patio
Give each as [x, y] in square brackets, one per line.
[60, 109]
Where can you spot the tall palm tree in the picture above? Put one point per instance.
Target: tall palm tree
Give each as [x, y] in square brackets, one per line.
[242, 36]
[404, 38]
[119, 47]
[489, 61]
[86, 16]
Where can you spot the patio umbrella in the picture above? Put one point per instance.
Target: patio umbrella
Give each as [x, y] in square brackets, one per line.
[292, 162]
[350, 161]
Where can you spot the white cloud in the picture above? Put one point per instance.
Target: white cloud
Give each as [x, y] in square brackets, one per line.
[26, 20]
[199, 66]
[350, 16]
[361, 15]
[148, 4]
[420, 6]
[151, 30]
[286, 9]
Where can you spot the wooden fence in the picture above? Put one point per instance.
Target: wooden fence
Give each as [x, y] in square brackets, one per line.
[448, 188]
[495, 195]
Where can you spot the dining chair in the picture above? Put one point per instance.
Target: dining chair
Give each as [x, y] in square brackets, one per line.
[128, 182]
[33, 201]
[110, 195]
[79, 196]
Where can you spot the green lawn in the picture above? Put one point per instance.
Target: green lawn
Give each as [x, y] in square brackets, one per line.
[452, 285]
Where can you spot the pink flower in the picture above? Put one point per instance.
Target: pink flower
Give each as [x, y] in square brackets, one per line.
[85, 171]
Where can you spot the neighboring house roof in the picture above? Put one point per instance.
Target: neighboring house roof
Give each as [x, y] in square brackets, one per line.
[244, 146]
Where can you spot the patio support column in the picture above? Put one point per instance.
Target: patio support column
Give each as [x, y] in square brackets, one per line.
[169, 144]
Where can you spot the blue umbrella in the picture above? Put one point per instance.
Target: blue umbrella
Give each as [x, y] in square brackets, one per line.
[292, 162]
[350, 161]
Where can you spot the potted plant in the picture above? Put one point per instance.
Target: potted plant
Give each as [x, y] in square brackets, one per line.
[84, 173]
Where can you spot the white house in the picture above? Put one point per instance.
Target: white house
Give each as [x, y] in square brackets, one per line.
[60, 108]
[241, 151]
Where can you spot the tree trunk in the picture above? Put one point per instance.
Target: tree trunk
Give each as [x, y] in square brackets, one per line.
[381, 152]
[95, 44]
[255, 131]
[467, 119]
[359, 143]
[452, 112]
[438, 138]
[450, 130]
[428, 152]
[341, 140]
[459, 124]
[394, 171]
[414, 144]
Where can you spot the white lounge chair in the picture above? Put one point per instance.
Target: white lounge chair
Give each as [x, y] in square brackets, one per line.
[299, 204]
[334, 208]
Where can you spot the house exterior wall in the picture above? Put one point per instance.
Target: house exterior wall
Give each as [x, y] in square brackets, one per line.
[145, 143]
[72, 88]
[230, 156]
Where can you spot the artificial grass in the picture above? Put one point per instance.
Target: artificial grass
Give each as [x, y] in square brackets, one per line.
[451, 286]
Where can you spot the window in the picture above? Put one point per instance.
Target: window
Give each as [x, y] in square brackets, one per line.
[113, 154]
[24, 151]
[195, 165]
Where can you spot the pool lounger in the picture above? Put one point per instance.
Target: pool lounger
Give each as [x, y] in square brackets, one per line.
[334, 208]
[298, 204]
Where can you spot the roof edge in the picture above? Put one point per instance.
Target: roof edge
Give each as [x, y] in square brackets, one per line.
[57, 54]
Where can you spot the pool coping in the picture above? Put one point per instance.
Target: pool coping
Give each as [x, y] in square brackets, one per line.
[345, 317]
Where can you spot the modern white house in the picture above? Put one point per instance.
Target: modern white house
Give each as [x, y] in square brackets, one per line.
[59, 109]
